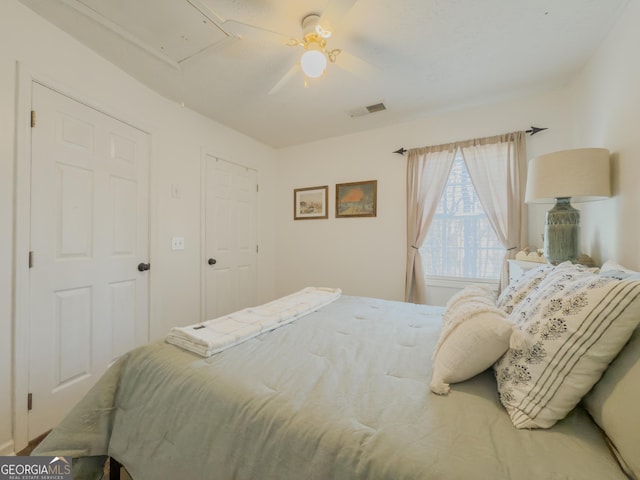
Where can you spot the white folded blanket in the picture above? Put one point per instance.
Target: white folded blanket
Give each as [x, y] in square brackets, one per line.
[220, 333]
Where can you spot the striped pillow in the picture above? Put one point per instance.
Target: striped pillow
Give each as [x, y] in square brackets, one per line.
[577, 322]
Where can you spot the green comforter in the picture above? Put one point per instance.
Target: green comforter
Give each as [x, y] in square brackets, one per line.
[342, 393]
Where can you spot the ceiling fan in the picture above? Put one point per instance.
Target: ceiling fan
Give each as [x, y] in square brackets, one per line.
[316, 31]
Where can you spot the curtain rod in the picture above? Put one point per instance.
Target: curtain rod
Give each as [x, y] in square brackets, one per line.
[532, 131]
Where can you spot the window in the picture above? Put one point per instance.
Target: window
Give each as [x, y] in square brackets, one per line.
[461, 241]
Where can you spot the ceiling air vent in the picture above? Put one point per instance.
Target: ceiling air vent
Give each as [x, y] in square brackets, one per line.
[362, 111]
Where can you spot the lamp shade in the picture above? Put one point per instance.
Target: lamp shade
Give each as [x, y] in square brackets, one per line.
[582, 174]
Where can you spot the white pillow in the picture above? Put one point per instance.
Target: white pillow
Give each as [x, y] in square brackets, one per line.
[613, 404]
[474, 335]
[615, 270]
[611, 265]
[579, 322]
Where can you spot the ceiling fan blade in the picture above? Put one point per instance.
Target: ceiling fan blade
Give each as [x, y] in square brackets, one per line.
[333, 13]
[245, 30]
[285, 79]
[355, 65]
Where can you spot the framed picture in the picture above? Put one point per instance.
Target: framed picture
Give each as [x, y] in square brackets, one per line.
[310, 203]
[358, 199]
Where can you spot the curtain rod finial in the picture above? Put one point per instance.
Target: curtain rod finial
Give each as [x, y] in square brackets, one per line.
[401, 151]
[533, 130]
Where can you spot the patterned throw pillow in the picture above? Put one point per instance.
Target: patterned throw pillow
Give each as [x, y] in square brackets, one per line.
[578, 322]
[516, 291]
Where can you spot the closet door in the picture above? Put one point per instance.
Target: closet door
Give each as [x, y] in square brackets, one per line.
[89, 233]
[231, 237]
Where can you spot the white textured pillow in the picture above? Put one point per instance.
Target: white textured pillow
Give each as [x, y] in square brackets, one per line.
[516, 291]
[579, 322]
[474, 335]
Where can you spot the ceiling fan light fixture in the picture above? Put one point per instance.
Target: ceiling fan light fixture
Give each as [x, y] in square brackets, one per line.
[313, 63]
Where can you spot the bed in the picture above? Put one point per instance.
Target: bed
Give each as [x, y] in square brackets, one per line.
[342, 392]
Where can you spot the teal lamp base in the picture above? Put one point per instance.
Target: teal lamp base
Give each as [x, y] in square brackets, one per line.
[562, 232]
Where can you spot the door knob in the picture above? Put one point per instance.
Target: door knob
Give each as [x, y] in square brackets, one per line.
[143, 267]
[212, 261]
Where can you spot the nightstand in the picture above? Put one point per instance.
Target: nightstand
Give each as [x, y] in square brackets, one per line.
[517, 268]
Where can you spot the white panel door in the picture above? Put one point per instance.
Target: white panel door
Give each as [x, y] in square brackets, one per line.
[231, 237]
[89, 232]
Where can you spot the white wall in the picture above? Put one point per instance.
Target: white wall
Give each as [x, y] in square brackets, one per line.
[366, 256]
[606, 113]
[600, 108]
[178, 135]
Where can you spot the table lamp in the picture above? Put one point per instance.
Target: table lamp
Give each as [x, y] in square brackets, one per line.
[581, 174]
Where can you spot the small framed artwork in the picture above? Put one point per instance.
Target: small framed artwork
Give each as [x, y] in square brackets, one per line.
[311, 203]
[357, 199]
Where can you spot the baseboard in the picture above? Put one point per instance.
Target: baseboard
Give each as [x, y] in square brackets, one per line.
[6, 449]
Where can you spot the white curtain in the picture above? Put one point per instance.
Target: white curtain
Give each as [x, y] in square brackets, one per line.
[496, 166]
[427, 173]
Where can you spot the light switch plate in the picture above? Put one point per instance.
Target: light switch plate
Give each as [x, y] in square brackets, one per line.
[177, 243]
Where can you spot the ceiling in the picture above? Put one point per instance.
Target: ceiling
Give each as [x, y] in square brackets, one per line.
[417, 57]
